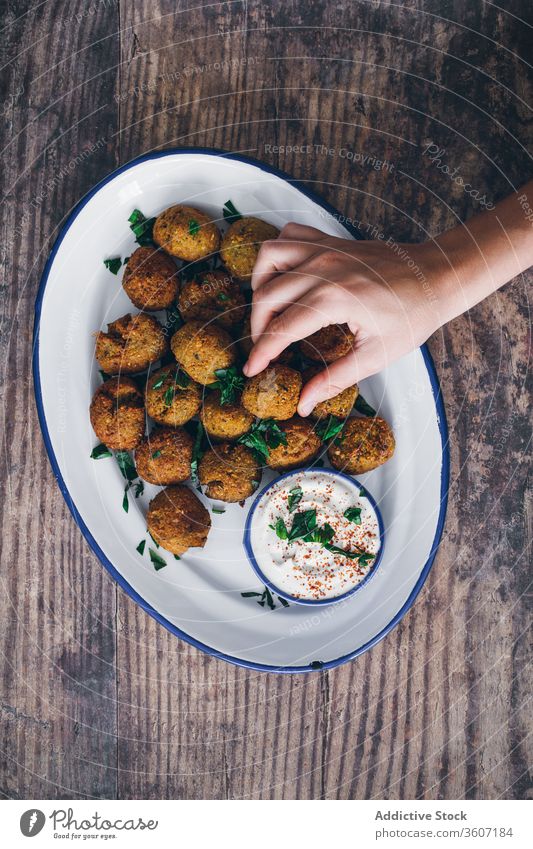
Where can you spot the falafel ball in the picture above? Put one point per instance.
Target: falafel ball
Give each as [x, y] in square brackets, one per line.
[131, 344]
[246, 344]
[230, 472]
[363, 445]
[164, 456]
[187, 233]
[177, 520]
[214, 295]
[202, 349]
[172, 398]
[241, 244]
[224, 421]
[117, 414]
[273, 393]
[150, 279]
[340, 405]
[328, 344]
[302, 446]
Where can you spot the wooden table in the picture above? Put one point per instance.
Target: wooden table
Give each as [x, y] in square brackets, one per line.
[100, 701]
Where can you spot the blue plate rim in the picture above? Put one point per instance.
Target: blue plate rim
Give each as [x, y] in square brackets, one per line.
[316, 665]
[308, 602]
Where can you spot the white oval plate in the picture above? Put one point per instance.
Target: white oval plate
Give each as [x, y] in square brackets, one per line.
[199, 598]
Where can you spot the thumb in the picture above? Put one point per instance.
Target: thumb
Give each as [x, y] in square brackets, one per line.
[341, 374]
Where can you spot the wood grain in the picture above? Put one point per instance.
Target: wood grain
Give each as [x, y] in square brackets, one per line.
[98, 699]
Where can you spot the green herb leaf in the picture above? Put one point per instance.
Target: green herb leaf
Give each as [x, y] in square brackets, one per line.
[329, 428]
[281, 529]
[142, 227]
[156, 454]
[316, 664]
[251, 595]
[177, 557]
[303, 525]
[268, 598]
[230, 212]
[362, 556]
[230, 382]
[263, 435]
[353, 514]
[217, 510]
[126, 260]
[364, 407]
[153, 540]
[125, 502]
[161, 379]
[283, 601]
[222, 297]
[322, 535]
[139, 488]
[168, 397]
[126, 465]
[140, 548]
[100, 452]
[295, 496]
[157, 560]
[362, 493]
[194, 227]
[197, 453]
[181, 379]
[113, 265]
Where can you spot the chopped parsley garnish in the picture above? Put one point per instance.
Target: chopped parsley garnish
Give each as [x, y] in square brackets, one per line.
[295, 496]
[316, 664]
[329, 428]
[194, 227]
[139, 489]
[267, 598]
[197, 453]
[125, 502]
[230, 212]
[156, 454]
[126, 465]
[217, 510]
[100, 451]
[161, 379]
[153, 540]
[113, 264]
[262, 436]
[353, 514]
[362, 493]
[142, 227]
[230, 382]
[168, 397]
[140, 548]
[157, 560]
[177, 557]
[126, 260]
[364, 407]
[222, 297]
[305, 528]
[181, 379]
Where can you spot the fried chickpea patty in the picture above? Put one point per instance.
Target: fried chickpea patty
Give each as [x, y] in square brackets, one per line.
[224, 421]
[328, 344]
[185, 232]
[172, 398]
[241, 245]
[131, 344]
[340, 405]
[150, 279]
[164, 456]
[363, 445]
[212, 296]
[178, 520]
[202, 349]
[302, 446]
[229, 472]
[273, 393]
[117, 414]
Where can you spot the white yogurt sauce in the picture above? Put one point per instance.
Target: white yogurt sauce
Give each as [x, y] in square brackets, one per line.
[307, 570]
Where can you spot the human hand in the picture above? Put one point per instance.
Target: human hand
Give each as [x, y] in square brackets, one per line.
[306, 280]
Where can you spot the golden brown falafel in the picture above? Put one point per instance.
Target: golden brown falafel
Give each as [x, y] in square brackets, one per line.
[164, 456]
[340, 405]
[202, 349]
[131, 344]
[328, 344]
[172, 398]
[241, 244]
[117, 414]
[230, 472]
[177, 520]
[363, 445]
[150, 279]
[273, 393]
[187, 233]
[212, 296]
[224, 421]
[302, 446]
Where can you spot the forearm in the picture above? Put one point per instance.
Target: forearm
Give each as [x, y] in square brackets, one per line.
[481, 255]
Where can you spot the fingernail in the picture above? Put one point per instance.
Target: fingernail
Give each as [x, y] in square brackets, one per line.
[246, 368]
[305, 407]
